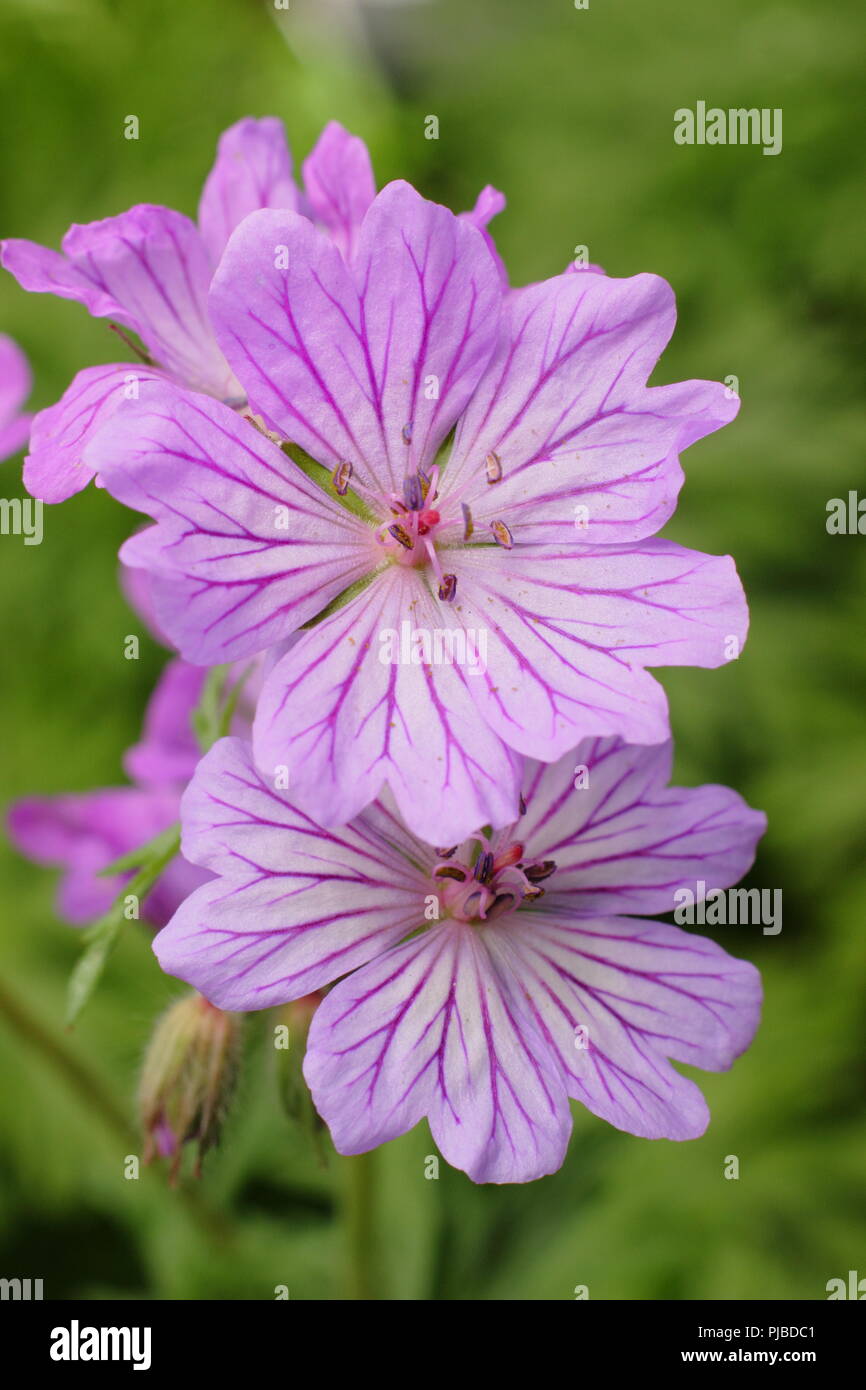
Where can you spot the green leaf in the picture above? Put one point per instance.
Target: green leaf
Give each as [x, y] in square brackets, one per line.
[142, 856]
[101, 938]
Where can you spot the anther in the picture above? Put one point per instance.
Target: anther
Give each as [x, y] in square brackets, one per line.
[402, 535]
[468, 525]
[473, 903]
[448, 587]
[407, 433]
[537, 872]
[484, 867]
[413, 493]
[493, 465]
[450, 871]
[501, 534]
[341, 477]
[503, 902]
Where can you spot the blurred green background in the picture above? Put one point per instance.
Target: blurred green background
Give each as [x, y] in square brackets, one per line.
[571, 114]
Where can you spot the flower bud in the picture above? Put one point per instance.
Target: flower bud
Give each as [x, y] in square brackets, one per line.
[188, 1079]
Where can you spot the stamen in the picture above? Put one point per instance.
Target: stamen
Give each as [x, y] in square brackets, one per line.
[484, 867]
[258, 423]
[341, 477]
[522, 804]
[447, 853]
[402, 535]
[503, 902]
[407, 432]
[450, 871]
[493, 464]
[448, 588]
[473, 904]
[512, 855]
[432, 482]
[532, 892]
[468, 524]
[537, 872]
[413, 493]
[501, 534]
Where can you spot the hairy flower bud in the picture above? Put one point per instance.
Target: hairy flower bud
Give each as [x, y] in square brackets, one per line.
[188, 1078]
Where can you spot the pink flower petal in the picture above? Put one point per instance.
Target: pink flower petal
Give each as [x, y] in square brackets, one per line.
[295, 906]
[253, 169]
[16, 379]
[615, 998]
[371, 366]
[622, 839]
[57, 465]
[430, 1030]
[489, 203]
[345, 720]
[571, 626]
[340, 186]
[246, 548]
[148, 269]
[587, 451]
[85, 832]
[168, 751]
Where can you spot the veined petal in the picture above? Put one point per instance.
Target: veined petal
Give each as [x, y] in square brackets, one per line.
[371, 366]
[148, 269]
[622, 839]
[339, 182]
[253, 169]
[43, 271]
[615, 998]
[429, 1029]
[587, 451]
[246, 548]
[570, 628]
[57, 465]
[348, 709]
[295, 906]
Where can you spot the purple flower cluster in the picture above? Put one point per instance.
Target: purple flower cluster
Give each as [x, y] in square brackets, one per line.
[347, 427]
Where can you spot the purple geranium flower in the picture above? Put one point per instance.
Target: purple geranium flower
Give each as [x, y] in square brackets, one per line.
[535, 531]
[85, 832]
[149, 269]
[15, 383]
[482, 985]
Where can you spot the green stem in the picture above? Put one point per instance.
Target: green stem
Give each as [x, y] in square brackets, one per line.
[360, 1225]
[90, 1089]
[82, 1080]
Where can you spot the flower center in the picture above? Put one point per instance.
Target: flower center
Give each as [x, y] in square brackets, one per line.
[480, 884]
[410, 538]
